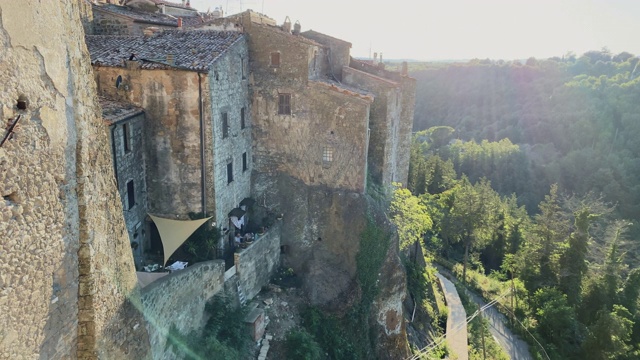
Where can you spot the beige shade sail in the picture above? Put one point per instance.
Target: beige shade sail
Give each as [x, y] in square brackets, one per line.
[174, 233]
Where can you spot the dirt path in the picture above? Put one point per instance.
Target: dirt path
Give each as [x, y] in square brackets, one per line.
[457, 320]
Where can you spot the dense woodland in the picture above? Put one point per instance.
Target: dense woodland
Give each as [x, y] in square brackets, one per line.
[528, 176]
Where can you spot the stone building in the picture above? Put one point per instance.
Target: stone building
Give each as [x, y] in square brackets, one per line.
[126, 137]
[306, 124]
[111, 19]
[360, 128]
[194, 89]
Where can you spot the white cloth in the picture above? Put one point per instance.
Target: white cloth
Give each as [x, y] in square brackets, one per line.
[178, 265]
[237, 222]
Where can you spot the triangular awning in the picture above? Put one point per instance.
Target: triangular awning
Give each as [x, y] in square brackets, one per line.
[174, 233]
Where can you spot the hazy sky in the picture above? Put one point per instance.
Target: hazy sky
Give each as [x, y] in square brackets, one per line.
[461, 29]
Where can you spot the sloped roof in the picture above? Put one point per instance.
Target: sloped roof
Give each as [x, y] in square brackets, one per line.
[314, 35]
[114, 111]
[138, 15]
[172, 4]
[154, 18]
[191, 50]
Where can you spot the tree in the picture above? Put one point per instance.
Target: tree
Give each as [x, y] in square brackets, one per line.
[410, 215]
[471, 216]
[609, 337]
[574, 260]
[551, 228]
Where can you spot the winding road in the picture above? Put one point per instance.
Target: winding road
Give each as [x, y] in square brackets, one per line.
[512, 344]
[515, 347]
[457, 320]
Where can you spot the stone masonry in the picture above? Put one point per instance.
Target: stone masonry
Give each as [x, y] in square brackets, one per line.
[66, 270]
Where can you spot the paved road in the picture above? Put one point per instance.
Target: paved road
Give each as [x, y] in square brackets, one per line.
[511, 343]
[457, 320]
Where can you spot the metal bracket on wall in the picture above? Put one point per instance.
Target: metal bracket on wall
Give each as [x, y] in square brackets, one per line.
[10, 128]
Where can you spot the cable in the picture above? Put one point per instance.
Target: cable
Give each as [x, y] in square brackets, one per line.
[427, 349]
[527, 330]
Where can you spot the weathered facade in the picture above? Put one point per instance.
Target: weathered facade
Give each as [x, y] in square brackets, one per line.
[67, 281]
[126, 138]
[112, 19]
[390, 147]
[315, 129]
[198, 116]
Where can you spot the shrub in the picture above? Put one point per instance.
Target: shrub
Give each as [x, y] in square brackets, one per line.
[301, 345]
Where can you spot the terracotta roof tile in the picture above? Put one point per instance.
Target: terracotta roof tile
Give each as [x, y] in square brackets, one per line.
[191, 50]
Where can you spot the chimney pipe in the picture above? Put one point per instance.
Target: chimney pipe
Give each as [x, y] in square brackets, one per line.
[180, 22]
[375, 56]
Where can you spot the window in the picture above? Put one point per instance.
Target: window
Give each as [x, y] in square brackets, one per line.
[284, 104]
[244, 162]
[275, 59]
[230, 172]
[125, 138]
[242, 123]
[327, 154]
[244, 68]
[225, 125]
[131, 196]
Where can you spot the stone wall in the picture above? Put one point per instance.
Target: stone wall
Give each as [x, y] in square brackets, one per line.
[384, 123]
[172, 133]
[106, 23]
[229, 92]
[337, 52]
[66, 270]
[406, 127]
[321, 229]
[323, 119]
[130, 166]
[179, 299]
[256, 264]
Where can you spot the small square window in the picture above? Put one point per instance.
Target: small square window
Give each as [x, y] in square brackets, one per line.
[244, 162]
[284, 104]
[275, 59]
[242, 121]
[126, 142]
[327, 154]
[230, 172]
[225, 125]
[131, 196]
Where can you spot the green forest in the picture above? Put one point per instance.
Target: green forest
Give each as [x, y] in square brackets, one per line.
[526, 176]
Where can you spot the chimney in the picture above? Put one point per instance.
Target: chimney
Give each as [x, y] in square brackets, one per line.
[296, 28]
[180, 23]
[162, 9]
[188, 3]
[170, 59]
[375, 57]
[287, 25]
[184, 2]
[405, 68]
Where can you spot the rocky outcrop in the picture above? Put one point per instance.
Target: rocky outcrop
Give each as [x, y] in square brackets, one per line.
[67, 282]
[321, 232]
